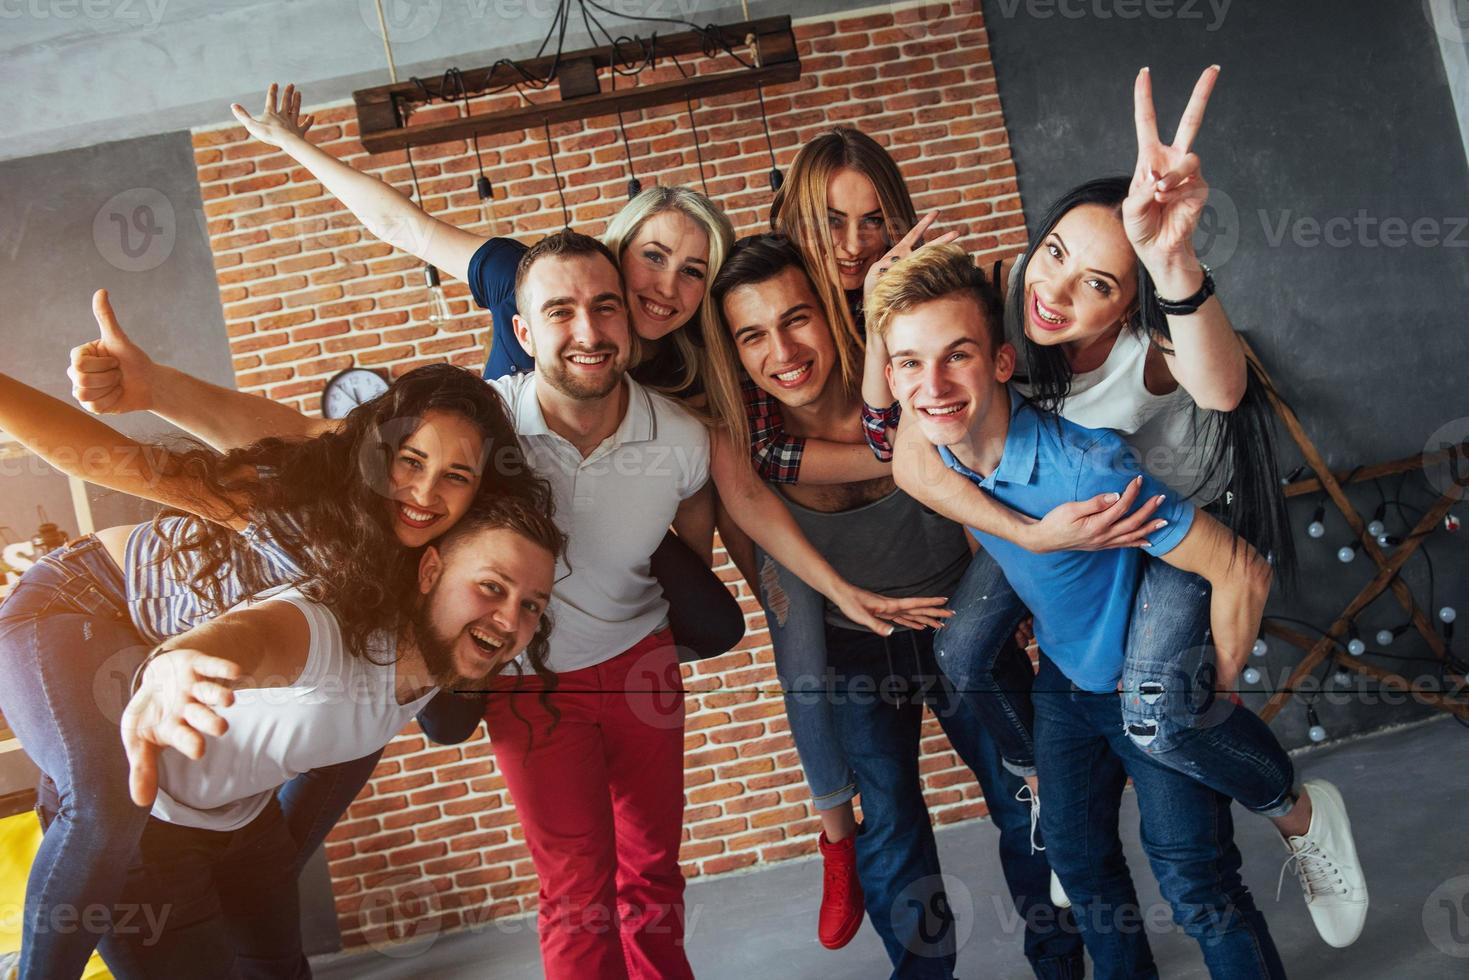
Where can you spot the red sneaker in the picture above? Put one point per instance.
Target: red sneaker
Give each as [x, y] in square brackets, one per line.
[841, 893]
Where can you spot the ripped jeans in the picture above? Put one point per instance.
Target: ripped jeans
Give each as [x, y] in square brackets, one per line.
[1169, 708]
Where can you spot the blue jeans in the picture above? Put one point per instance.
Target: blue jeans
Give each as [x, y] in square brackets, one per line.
[229, 901]
[1084, 760]
[67, 655]
[877, 690]
[796, 616]
[1168, 709]
[977, 651]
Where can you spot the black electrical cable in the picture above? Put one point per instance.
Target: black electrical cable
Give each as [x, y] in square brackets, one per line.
[556, 173]
[693, 128]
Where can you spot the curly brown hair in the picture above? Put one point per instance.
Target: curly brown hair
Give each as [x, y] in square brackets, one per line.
[322, 502]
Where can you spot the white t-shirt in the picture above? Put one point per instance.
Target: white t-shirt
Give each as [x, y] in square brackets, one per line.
[615, 506]
[341, 708]
[1165, 430]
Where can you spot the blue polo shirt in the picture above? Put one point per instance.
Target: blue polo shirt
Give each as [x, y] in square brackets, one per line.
[1081, 600]
[492, 281]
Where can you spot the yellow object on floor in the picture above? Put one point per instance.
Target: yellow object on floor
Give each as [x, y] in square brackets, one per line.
[20, 835]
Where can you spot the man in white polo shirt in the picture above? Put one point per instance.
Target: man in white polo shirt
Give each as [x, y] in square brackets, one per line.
[599, 789]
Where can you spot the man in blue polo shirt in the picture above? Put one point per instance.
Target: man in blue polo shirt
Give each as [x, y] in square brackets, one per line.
[948, 367]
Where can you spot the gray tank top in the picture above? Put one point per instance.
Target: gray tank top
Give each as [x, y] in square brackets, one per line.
[893, 546]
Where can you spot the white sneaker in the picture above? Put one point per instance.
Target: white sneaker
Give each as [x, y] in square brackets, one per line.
[9, 965]
[1326, 863]
[1026, 795]
[1059, 898]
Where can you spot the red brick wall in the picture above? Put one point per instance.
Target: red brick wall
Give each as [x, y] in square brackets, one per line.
[433, 842]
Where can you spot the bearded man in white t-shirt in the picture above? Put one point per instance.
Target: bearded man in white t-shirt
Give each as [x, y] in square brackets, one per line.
[225, 714]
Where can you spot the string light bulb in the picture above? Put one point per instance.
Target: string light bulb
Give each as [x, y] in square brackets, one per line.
[438, 306]
[1251, 675]
[1259, 648]
[1355, 646]
[1316, 732]
[1347, 553]
[1317, 527]
[1386, 636]
[1376, 527]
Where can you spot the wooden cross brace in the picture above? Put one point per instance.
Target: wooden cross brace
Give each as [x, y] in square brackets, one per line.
[1387, 568]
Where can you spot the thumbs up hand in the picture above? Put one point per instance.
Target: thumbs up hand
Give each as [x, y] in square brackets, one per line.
[111, 374]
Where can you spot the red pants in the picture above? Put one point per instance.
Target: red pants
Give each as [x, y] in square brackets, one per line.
[600, 798]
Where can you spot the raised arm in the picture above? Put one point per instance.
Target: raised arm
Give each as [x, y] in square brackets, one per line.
[758, 511]
[694, 523]
[1241, 585]
[1094, 524]
[193, 674]
[83, 447]
[385, 212]
[1160, 214]
[112, 375]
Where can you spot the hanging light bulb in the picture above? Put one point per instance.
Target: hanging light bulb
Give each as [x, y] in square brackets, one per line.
[1259, 648]
[1451, 522]
[1316, 732]
[1386, 636]
[1388, 541]
[1375, 527]
[1347, 552]
[486, 193]
[634, 187]
[1341, 677]
[1290, 477]
[438, 306]
[1447, 615]
[1250, 675]
[1317, 527]
[1355, 646]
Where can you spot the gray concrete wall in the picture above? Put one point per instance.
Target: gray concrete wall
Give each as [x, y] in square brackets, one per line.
[91, 71]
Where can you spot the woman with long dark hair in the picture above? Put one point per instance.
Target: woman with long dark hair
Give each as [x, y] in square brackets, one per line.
[1101, 345]
[342, 516]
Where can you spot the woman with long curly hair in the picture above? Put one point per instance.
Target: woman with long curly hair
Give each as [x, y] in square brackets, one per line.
[344, 516]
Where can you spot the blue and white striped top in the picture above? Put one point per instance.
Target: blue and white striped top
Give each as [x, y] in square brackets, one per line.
[161, 604]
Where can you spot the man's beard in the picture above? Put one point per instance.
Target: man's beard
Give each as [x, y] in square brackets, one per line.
[559, 376]
[436, 649]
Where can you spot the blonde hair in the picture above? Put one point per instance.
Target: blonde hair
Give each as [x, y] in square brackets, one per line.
[931, 273]
[624, 227]
[799, 212]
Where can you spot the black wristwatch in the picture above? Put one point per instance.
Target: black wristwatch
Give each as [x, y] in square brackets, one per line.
[1189, 304]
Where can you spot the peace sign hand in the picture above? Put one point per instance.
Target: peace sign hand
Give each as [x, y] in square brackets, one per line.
[1168, 191]
[906, 246]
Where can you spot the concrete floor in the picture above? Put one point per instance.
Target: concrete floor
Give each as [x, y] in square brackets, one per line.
[1407, 790]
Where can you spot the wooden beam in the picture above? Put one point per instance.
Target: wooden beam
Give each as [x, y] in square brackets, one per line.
[603, 104]
[383, 111]
[1361, 474]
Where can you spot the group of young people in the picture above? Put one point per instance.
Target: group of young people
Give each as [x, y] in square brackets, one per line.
[841, 400]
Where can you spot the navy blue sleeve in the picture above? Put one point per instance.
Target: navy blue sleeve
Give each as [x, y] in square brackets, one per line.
[492, 282]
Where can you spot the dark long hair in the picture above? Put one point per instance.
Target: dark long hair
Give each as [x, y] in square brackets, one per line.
[1242, 441]
[324, 502]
